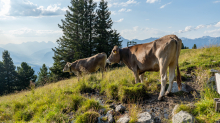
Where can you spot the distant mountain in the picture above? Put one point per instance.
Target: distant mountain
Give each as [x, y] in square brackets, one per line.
[200, 42]
[34, 53]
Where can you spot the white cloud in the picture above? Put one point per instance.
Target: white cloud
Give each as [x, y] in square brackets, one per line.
[218, 24]
[216, 2]
[113, 12]
[200, 26]
[208, 26]
[188, 28]
[26, 8]
[4, 7]
[165, 5]
[120, 20]
[129, 2]
[142, 33]
[124, 10]
[147, 19]
[214, 33]
[151, 1]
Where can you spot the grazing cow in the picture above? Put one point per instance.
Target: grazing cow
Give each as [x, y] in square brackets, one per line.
[153, 56]
[87, 65]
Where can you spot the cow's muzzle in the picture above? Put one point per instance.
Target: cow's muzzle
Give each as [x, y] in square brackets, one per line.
[107, 61]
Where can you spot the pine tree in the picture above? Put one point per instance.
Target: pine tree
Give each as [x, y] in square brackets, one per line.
[104, 41]
[2, 79]
[43, 76]
[10, 74]
[76, 42]
[182, 46]
[194, 46]
[25, 75]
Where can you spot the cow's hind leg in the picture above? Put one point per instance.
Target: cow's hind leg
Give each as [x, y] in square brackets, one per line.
[141, 78]
[163, 74]
[136, 75]
[171, 77]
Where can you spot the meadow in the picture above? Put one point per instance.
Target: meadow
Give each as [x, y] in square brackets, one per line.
[68, 100]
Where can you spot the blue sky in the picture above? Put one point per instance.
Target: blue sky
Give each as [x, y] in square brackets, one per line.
[37, 20]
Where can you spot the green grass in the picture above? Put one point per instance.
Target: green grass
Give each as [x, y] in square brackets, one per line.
[64, 101]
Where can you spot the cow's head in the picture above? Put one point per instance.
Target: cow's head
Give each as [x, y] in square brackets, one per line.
[114, 56]
[67, 67]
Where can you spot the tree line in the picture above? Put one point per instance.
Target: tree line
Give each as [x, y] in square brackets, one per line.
[87, 30]
[12, 79]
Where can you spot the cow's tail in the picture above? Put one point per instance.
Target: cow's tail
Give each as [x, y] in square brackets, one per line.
[178, 48]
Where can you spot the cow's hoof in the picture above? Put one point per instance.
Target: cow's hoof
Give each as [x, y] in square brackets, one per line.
[160, 98]
[167, 93]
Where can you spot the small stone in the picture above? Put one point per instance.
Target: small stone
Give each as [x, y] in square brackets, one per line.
[120, 108]
[124, 119]
[144, 117]
[174, 109]
[175, 87]
[214, 71]
[183, 117]
[110, 116]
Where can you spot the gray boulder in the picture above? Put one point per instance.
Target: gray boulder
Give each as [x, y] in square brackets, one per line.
[144, 117]
[174, 109]
[175, 87]
[120, 108]
[183, 117]
[124, 119]
[109, 115]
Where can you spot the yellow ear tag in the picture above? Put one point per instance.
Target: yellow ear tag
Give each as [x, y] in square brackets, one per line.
[115, 51]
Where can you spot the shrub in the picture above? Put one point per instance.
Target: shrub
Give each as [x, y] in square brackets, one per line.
[112, 91]
[88, 117]
[136, 93]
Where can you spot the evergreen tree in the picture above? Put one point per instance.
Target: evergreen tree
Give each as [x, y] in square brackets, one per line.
[182, 46]
[10, 73]
[77, 39]
[2, 79]
[43, 76]
[25, 75]
[103, 30]
[194, 46]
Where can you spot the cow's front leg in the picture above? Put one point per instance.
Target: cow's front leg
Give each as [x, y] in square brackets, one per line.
[141, 78]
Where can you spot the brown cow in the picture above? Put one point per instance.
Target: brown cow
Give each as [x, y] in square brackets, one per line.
[87, 65]
[153, 56]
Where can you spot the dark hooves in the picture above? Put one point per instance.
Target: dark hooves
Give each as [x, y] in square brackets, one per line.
[161, 98]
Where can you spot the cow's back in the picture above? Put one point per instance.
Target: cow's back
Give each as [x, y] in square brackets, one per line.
[92, 63]
[147, 55]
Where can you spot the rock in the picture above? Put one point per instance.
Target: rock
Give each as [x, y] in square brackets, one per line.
[217, 75]
[183, 117]
[124, 119]
[212, 83]
[144, 117]
[174, 109]
[120, 108]
[109, 115]
[175, 88]
[214, 71]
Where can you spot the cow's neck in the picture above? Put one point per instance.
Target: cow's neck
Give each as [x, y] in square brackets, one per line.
[124, 55]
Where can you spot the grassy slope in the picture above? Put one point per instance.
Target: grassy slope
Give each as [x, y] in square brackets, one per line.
[59, 101]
